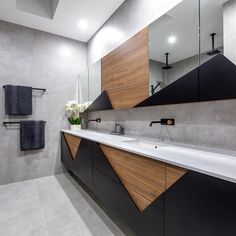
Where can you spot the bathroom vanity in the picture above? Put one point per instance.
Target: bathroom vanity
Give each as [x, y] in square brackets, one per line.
[156, 188]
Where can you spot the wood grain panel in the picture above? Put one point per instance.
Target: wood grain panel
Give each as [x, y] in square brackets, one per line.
[142, 177]
[73, 143]
[173, 174]
[125, 72]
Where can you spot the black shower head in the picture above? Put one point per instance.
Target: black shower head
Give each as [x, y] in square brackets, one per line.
[213, 51]
[167, 66]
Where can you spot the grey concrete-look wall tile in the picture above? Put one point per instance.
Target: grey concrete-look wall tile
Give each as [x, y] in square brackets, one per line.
[33, 58]
[207, 123]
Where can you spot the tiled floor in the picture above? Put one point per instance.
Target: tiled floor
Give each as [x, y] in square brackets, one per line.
[51, 206]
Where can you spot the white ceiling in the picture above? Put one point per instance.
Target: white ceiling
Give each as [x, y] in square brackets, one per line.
[182, 22]
[65, 20]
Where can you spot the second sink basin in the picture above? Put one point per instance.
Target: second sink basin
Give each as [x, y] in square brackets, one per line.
[146, 143]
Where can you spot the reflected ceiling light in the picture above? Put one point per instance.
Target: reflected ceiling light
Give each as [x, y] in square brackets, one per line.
[171, 39]
[83, 24]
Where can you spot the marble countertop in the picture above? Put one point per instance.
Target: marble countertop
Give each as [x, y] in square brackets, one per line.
[214, 162]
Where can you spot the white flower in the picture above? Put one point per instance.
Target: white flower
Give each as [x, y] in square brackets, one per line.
[73, 108]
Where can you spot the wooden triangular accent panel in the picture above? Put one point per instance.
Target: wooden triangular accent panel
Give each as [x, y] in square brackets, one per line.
[73, 143]
[143, 178]
[173, 174]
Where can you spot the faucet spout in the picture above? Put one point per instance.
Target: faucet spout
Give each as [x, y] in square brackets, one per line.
[163, 122]
[98, 120]
[154, 122]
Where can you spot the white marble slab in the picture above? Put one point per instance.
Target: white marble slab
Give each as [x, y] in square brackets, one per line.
[213, 162]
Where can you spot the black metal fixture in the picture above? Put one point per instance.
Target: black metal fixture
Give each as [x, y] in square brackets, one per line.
[167, 66]
[98, 120]
[213, 51]
[119, 130]
[163, 122]
[40, 89]
[153, 89]
[12, 122]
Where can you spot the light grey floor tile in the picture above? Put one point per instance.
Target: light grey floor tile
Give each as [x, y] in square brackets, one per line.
[27, 219]
[51, 206]
[18, 193]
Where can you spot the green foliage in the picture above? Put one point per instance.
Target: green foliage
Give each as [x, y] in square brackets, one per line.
[75, 121]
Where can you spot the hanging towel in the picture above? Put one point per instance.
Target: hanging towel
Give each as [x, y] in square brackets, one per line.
[18, 100]
[32, 135]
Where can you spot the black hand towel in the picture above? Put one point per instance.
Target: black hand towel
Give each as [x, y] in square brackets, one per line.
[18, 100]
[32, 135]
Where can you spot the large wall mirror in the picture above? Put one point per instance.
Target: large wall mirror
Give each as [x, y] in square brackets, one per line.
[191, 58]
[192, 53]
[90, 83]
[173, 45]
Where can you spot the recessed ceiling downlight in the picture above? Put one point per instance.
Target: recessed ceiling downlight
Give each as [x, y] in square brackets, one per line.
[83, 24]
[171, 39]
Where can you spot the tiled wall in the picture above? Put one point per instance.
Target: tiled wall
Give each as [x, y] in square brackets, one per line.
[38, 59]
[210, 124]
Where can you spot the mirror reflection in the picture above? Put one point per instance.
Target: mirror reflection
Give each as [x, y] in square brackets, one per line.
[218, 29]
[89, 85]
[83, 86]
[173, 45]
[94, 81]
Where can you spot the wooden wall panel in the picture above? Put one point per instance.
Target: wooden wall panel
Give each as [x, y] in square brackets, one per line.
[125, 72]
[73, 143]
[142, 177]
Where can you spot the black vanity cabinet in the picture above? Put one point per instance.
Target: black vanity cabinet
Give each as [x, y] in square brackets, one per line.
[113, 195]
[196, 204]
[93, 169]
[67, 158]
[84, 163]
[81, 163]
[101, 163]
[200, 205]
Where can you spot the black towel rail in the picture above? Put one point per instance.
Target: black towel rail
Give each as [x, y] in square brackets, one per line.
[41, 89]
[12, 122]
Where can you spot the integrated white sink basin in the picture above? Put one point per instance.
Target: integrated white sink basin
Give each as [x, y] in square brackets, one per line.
[147, 143]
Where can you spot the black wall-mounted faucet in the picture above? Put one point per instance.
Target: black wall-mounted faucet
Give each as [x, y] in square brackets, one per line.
[163, 122]
[98, 120]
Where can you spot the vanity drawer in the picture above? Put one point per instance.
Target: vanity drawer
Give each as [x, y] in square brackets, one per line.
[69, 160]
[200, 205]
[101, 163]
[114, 196]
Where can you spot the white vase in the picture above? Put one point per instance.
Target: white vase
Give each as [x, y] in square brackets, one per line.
[75, 127]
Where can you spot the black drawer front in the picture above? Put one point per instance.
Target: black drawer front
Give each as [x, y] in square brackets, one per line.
[101, 163]
[200, 205]
[66, 157]
[84, 163]
[114, 196]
